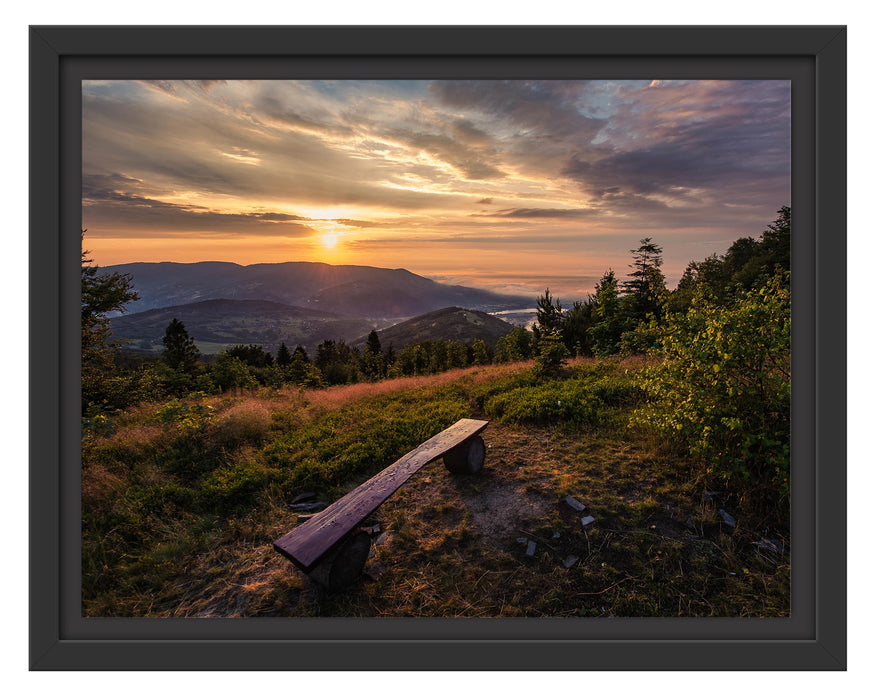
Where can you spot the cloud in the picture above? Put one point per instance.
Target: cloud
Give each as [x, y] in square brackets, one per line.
[526, 213]
[102, 203]
[425, 160]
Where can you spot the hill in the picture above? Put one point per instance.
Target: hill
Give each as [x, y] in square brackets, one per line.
[379, 294]
[217, 323]
[451, 323]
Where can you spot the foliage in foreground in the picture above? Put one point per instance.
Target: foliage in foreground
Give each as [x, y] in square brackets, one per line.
[723, 388]
[181, 501]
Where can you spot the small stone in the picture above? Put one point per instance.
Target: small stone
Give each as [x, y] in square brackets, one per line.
[587, 520]
[530, 548]
[375, 571]
[576, 505]
[302, 498]
[521, 540]
[727, 518]
[775, 546]
[383, 537]
[308, 507]
[556, 535]
[570, 561]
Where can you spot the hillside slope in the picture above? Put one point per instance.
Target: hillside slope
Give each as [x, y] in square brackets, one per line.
[352, 290]
[237, 322]
[451, 323]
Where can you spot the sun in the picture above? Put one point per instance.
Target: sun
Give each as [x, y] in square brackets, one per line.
[330, 240]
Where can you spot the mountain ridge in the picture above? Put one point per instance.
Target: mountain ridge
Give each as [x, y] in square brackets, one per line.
[375, 293]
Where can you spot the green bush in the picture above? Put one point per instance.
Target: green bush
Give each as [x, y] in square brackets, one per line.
[550, 354]
[723, 388]
[362, 438]
[582, 401]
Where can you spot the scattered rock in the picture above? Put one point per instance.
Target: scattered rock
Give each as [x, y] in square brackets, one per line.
[727, 518]
[576, 505]
[556, 535]
[302, 498]
[775, 546]
[530, 548]
[587, 520]
[383, 537]
[372, 529]
[308, 507]
[690, 524]
[375, 571]
[570, 561]
[521, 540]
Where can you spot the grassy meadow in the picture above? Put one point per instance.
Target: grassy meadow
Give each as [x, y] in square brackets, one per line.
[183, 498]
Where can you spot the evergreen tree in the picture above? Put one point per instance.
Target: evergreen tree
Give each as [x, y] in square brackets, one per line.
[576, 325]
[607, 317]
[481, 354]
[549, 315]
[647, 282]
[283, 357]
[181, 353]
[373, 344]
[100, 295]
[374, 362]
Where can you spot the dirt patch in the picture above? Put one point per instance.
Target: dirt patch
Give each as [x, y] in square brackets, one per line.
[500, 509]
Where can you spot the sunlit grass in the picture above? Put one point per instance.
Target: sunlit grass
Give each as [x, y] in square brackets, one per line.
[181, 502]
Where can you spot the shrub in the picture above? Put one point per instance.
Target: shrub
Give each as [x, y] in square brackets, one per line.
[723, 388]
[549, 358]
[245, 423]
[230, 372]
[583, 401]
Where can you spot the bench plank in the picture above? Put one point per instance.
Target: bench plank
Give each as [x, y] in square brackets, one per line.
[305, 544]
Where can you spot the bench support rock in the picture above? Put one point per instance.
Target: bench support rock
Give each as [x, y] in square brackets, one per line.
[341, 567]
[466, 458]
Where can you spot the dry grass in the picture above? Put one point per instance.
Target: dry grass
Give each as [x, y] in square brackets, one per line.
[451, 548]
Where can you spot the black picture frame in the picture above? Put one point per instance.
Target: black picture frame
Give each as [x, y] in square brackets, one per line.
[812, 57]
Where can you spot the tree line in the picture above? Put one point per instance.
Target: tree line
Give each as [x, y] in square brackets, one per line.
[625, 316]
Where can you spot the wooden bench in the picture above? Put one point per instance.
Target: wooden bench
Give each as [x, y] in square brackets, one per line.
[331, 549]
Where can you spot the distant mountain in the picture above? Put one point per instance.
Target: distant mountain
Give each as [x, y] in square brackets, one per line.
[351, 290]
[451, 323]
[219, 323]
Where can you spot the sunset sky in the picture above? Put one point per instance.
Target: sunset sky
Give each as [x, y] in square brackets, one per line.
[509, 185]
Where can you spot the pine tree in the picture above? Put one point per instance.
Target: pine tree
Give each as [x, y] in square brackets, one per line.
[283, 357]
[373, 344]
[646, 285]
[181, 353]
[481, 354]
[549, 315]
[100, 295]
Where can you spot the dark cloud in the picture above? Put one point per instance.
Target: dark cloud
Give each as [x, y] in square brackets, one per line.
[102, 203]
[539, 107]
[535, 213]
[736, 146]
[485, 200]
